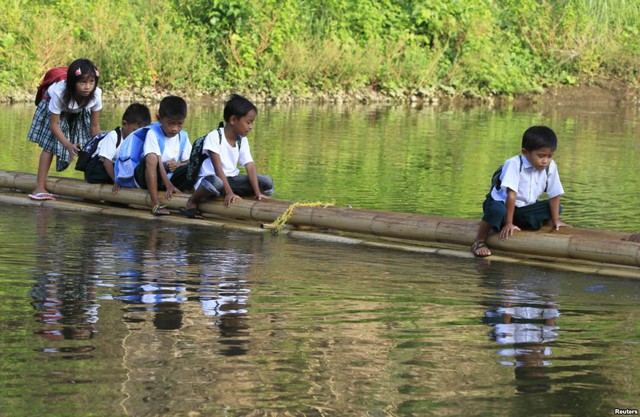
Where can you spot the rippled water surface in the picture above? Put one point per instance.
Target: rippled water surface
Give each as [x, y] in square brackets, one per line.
[413, 160]
[111, 316]
[116, 316]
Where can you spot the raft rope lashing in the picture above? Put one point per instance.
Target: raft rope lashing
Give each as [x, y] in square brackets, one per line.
[279, 223]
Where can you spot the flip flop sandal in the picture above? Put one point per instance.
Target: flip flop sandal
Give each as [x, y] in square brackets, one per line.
[192, 213]
[477, 246]
[160, 210]
[41, 196]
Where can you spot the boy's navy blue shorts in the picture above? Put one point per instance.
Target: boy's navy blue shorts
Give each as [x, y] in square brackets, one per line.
[140, 175]
[528, 217]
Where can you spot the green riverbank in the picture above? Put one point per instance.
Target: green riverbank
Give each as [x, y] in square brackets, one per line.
[339, 50]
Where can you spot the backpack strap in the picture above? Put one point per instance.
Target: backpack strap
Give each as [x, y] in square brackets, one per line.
[547, 184]
[496, 182]
[238, 138]
[182, 136]
[119, 133]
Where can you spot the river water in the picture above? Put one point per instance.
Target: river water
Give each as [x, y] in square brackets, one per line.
[122, 317]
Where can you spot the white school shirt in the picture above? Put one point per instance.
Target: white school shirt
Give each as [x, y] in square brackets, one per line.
[107, 147]
[57, 105]
[529, 183]
[171, 148]
[230, 156]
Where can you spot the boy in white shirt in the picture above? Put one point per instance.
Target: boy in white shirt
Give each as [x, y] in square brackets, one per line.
[165, 154]
[100, 169]
[224, 148]
[513, 202]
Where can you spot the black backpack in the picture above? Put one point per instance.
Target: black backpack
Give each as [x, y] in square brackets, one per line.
[197, 157]
[496, 182]
[84, 155]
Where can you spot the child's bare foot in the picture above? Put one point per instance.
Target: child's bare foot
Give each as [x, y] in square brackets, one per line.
[480, 249]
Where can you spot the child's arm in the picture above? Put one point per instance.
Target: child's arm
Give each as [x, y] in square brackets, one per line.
[108, 166]
[253, 179]
[172, 165]
[54, 122]
[554, 205]
[95, 123]
[171, 189]
[229, 196]
[509, 227]
[183, 159]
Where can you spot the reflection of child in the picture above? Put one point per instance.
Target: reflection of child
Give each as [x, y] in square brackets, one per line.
[65, 120]
[525, 330]
[226, 147]
[100, 168]
[526, 325]
[513, 202]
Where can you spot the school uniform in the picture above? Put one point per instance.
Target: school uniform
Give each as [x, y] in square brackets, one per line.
[529, 183]
[175, 149]
[75, 122]
[230, 156]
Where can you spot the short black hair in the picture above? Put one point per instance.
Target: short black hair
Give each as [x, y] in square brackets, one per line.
[137, 113]
[537, 137]
[173, 107]
[237, 106]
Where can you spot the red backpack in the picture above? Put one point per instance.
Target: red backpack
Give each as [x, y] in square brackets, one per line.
[54, 75]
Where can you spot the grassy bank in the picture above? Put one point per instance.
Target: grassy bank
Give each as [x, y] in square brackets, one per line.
[355, 48]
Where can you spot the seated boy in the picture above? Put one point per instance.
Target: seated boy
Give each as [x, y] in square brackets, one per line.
[165, 154]
[100, 169]
[225, 148]
[513, 203]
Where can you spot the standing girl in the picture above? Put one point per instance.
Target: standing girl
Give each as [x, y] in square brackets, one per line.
[66, 118]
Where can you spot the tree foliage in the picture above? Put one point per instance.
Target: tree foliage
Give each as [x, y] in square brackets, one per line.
[473, 47]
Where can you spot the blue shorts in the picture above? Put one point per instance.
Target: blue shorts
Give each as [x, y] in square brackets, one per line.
[528, 217]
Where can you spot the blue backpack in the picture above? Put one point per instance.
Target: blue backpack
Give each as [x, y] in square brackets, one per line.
[131, 152]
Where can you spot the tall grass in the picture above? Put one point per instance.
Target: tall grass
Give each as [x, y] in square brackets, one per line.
[476, 47]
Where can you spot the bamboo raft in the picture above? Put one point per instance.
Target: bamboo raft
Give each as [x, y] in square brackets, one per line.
[587, 250]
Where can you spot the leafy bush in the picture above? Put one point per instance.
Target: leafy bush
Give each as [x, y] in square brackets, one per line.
[474, 47]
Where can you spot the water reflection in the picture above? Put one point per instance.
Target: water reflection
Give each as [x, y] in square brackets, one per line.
[169, 279]
[524, 329]
[62, 295]
[166, 277]
[523, 321]
[191, 321]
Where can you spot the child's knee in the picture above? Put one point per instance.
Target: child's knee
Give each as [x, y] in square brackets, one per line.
[266, 184]
[213, 184]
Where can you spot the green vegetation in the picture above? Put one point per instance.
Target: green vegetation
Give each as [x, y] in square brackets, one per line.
[396, 47]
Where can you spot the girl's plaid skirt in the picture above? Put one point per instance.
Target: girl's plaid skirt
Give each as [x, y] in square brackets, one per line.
[75, 126]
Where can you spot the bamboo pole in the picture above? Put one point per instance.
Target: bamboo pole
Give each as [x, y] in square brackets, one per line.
[581, 244]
